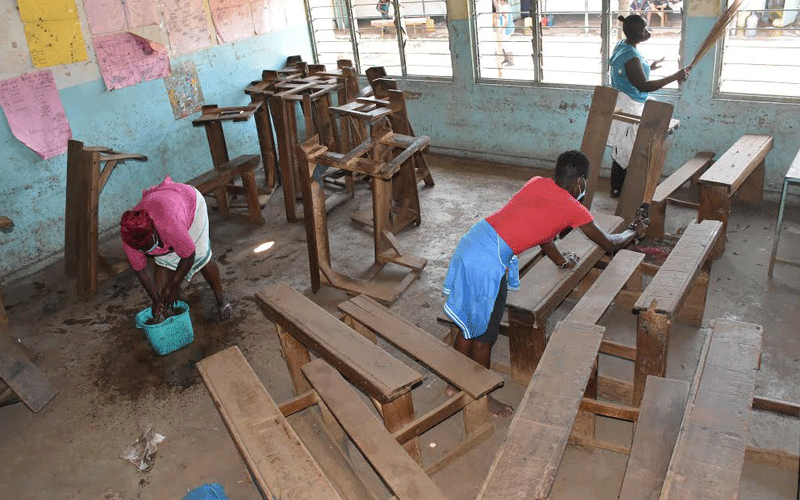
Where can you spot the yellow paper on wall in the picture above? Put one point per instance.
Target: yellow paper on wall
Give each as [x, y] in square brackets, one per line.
[31, 11]
[55, 42]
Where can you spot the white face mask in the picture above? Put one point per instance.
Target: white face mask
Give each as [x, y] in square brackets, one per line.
[583, 193]
[155, 245]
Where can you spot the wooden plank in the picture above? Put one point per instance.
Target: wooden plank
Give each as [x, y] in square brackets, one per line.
[649, 139]
[432, 418]
[682, 175]
[225, 173]
[660, 416]
[545, 283]
[23, 377]
[368, 366]
[527, 463]
[404, 477]
[442, 359]
[673, 281]
[735, 165]
[594, 303]
[280, 464]
[595, 135]
[611, 410]
[777, 407]
[299, 403]
[709, 454]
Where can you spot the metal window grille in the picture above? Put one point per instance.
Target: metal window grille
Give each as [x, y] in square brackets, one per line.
[408, 38]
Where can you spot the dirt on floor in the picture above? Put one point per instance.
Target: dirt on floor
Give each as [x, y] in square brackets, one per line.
[112, 385]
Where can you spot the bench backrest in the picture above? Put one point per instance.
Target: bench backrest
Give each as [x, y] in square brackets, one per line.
[280, 464]
[733, 167]
[526, 465]
[445, 361]
[596, 300]
[544, 287]
[698, 163]
[709, 453]
[400, 472]
[368, 366]
[660, 416]
[674, 279]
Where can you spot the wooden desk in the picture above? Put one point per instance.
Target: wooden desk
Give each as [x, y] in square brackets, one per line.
[791, 177]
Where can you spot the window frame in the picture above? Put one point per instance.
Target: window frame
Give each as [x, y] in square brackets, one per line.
[606, 27]
[401, 40]
[719, 55]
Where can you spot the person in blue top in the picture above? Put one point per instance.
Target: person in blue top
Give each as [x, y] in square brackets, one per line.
[630, 74]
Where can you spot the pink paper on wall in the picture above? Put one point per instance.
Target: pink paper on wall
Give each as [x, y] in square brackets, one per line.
[232, 19]
[187, 25]
[126, 59]
[35, 114]
[107, 16]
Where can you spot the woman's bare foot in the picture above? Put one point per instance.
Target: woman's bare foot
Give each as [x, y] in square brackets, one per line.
[499, 409]
[450, 391]
[225, 311]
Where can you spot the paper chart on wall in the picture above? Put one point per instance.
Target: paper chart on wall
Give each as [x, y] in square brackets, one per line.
[35, 114]
[232, 19]
[187, 25]
[126, 59]
[107, 16]
[53, 31]
[270, 15]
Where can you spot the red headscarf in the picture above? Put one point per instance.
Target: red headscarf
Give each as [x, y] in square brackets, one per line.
[136, 228]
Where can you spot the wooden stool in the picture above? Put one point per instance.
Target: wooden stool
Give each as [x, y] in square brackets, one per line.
[791, 177]
[85, 182]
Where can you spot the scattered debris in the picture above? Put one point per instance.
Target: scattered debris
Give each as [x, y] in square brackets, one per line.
[142, 452]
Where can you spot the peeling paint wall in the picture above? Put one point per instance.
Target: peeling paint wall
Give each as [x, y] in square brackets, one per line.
[530, 126]
[135, 119]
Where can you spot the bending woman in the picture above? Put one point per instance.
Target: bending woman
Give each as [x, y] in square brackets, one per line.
[170, 223]
[630, 74]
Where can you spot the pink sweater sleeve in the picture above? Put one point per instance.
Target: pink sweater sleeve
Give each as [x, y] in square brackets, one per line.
[136, 258]
[174, 234]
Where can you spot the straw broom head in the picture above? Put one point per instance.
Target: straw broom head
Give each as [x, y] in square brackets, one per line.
[717, 31]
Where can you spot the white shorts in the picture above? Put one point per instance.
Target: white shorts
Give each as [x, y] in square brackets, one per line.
[202, 243]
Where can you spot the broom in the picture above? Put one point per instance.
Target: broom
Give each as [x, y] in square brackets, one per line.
[716, 31]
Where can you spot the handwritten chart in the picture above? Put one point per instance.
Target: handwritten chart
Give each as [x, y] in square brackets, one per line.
[53, 31]
[271, 15]
[35, 114]
[126, 59]
[107, 16]
[232, 19]
[187, 25]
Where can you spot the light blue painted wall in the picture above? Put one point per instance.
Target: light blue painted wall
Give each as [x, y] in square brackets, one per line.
[531, 126]
[135, 119]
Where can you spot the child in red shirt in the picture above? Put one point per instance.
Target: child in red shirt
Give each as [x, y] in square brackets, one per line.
[483, 265]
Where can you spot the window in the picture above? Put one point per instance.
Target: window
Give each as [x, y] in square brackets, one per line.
[406, 38]
[761, 51]
[567, 41]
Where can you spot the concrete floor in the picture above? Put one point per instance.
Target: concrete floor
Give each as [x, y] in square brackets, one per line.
[112, 385]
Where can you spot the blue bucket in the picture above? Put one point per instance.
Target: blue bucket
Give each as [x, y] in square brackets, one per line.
[169, 335]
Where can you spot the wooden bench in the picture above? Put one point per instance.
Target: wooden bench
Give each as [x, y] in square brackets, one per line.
[403, 476]
[474, 381]
[679, 286]
[542, 289]
[527, 463]
[660, 417]
[710, 449]
[279, 463]
[691, 170]
[304, 326]
[217, 179]
[742, 166]
[792, 177]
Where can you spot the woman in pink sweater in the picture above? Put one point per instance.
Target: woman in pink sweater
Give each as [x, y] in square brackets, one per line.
[170, 224]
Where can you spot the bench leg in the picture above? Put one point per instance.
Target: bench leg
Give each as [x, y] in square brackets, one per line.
[296, 356]
[450, 338]
[715, 204]
[398, 413]
[526, 342]
[476, 417]
[752, 189]
[4, 325]
[652, 336]
[251, 193]
[584, 420]
[658, 214]
[695, 304]
[363, 330]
